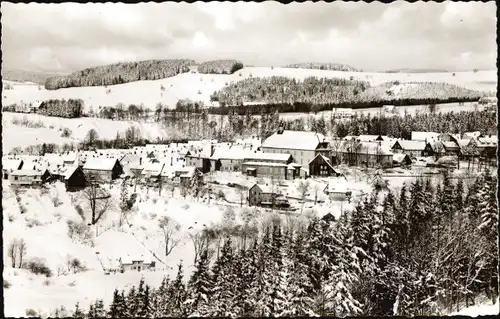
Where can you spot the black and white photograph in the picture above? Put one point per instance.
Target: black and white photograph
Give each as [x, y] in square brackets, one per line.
[249, 159]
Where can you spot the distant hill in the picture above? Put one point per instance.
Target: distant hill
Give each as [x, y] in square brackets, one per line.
[120, 73]
[323, 66]
[417, 71]
[17, 75]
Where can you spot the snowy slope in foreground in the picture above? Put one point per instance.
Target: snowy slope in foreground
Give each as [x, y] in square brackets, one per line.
[486, 309]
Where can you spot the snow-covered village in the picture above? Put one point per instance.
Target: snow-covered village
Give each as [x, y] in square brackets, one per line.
[148, 180]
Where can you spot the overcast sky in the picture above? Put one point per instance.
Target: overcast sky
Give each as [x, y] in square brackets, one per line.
[67, 37]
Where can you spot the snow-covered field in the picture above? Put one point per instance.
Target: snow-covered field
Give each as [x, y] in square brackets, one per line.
[17, 135]
[199, 87]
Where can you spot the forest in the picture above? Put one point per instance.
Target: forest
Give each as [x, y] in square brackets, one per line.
[318, 94]
[421, 251]
[220, 67]
[323, 66]
[119, 73]
[61, 108]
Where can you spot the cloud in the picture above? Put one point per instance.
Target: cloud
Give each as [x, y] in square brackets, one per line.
[70, 36]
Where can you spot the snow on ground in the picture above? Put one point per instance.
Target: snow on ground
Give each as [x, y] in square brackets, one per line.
[48, 239]
[17, 135]
[485, 309]
[199, 87]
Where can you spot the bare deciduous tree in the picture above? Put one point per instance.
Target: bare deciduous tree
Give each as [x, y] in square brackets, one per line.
[169, 228]
[202, 240]
[303, 188]
[12, 251]
[97, 197]
[22, 248]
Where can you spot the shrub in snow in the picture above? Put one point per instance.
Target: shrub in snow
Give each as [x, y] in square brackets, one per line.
[72, 284]
[33, 222]
[11, 217]
[155, 200]
[79, 230]
[59, 313]
[80, 212]
[66, 132]
[47, 282]
[185, 206]
[31, 313]
[38, 266]
[56, 201]
[6, 284]
[76, 265]
[221, 194]
[23, 209]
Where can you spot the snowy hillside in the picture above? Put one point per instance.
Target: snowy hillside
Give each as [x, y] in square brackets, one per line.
[21, 136]
[199, 87]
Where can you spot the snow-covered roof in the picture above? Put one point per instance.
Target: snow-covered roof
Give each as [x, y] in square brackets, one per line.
[152, 169]
[70, 157]
[68, 171]
[422, 136]
[234, 152]
[410, 145]
[297, 140]
[469, 135]
[100, 163]
[265, 188]
[11, 164]
[268, 156]
[488, 141]
[368, 148]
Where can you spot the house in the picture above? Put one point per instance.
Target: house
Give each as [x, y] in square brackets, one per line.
[26, 177]
[338, 190]
[303, 146]
[322, 166]
[185, 175]
[401, 159]
[451, 148]
[200, 159]
[263, 195]
[228, 158]
[136, 263]
[152, 170]
[490, 103]
[275, 165]
[487, 146]
[10, 165]
[412, 148]
[74, 178]
[105, 169]
[342, 113]
[370, 154]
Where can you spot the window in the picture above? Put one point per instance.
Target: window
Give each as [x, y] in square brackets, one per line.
[301, 153]
[15, 178]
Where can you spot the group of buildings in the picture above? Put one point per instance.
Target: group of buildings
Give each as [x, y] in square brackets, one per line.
[284, 155]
